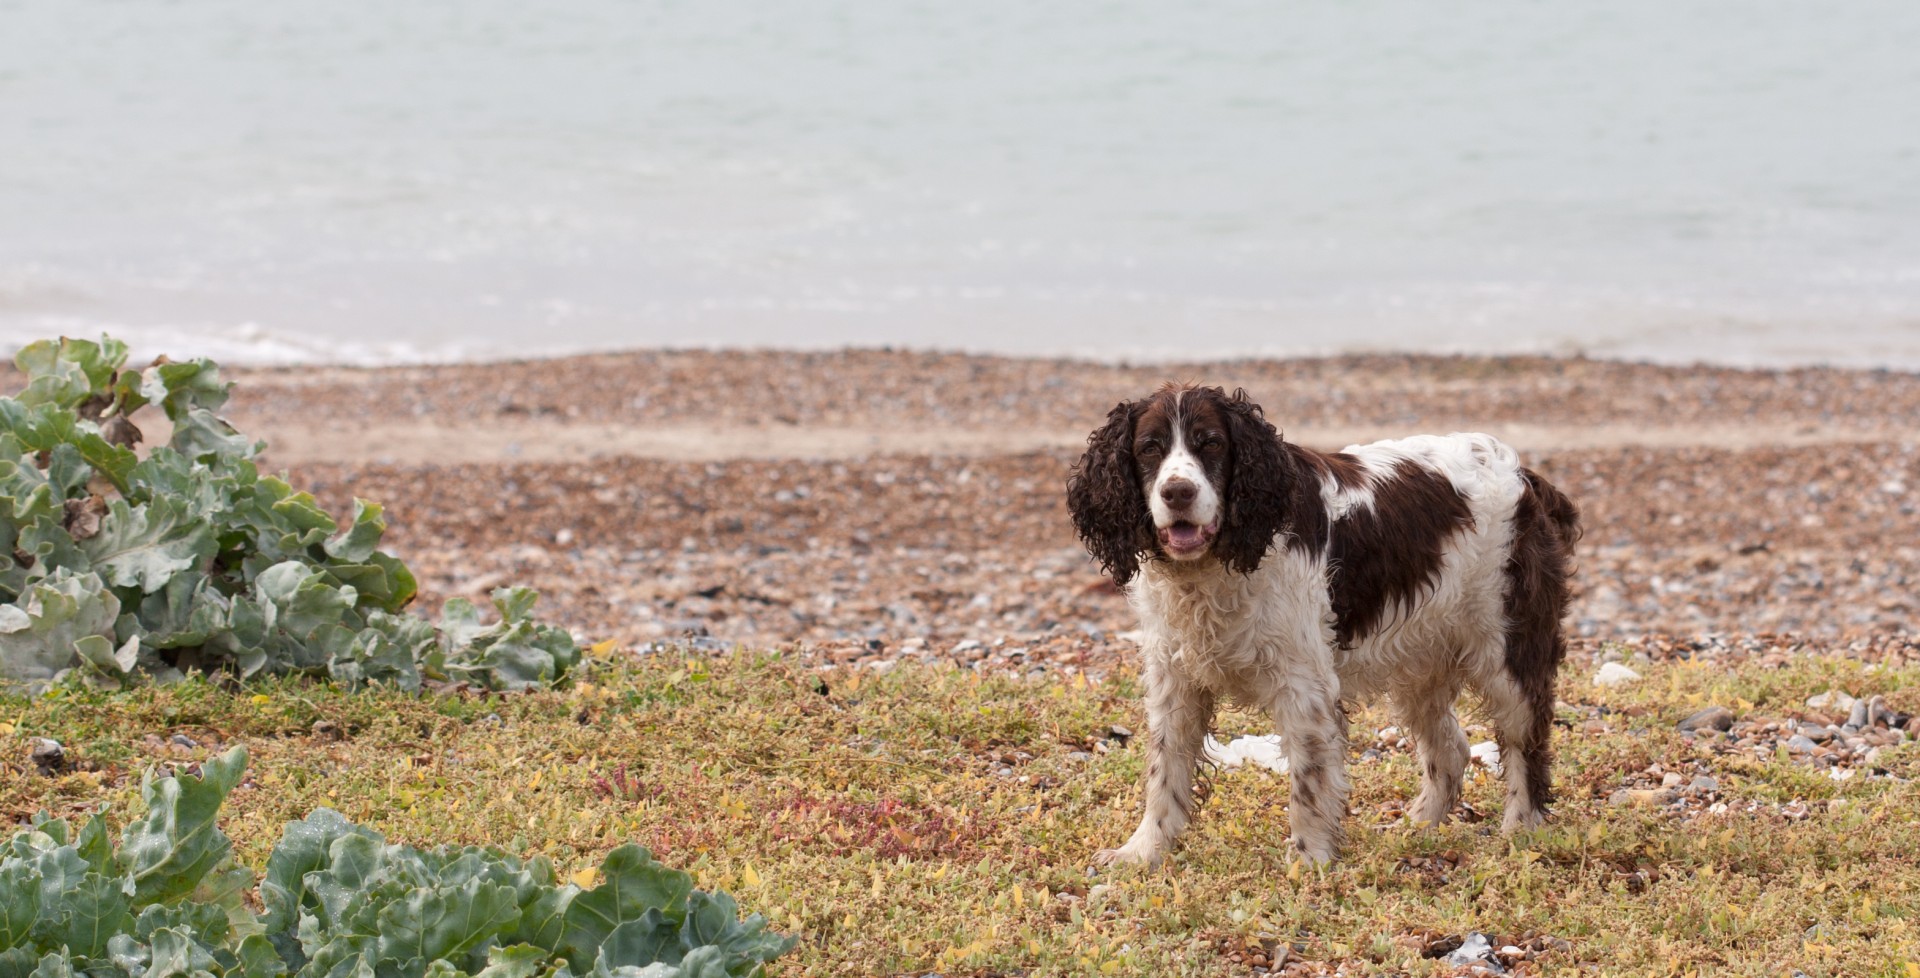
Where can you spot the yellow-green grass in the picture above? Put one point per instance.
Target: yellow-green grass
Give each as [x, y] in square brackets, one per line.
[867, 812]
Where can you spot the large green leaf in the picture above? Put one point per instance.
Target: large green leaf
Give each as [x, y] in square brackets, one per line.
[713, 919]
[305, 847]
[45, 427]
[105, 665]
[38, 632]
[94, 846]
[180, 385]
[543, 917]
[514, 653]
[177, 843]
[18, 963]
[637, 943]
[435, 923]
[361, 538]
[92, 912]
[632, 883]
[515, 961]
[382, 583]
[56, 964]
[66, 372]
[19, 903]
[146, 546]
[177, 955]
[257, 958]
[187, 612]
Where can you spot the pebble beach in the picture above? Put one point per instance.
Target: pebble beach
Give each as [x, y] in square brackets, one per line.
[873, 505]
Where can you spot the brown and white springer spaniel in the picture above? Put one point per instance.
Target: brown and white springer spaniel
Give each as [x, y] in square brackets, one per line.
[1293, 581]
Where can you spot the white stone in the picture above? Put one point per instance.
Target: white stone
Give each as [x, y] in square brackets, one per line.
[1614, 674]
[1487, 752]
[1263, 751]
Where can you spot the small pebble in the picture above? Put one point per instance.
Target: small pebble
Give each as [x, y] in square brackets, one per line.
[1712, 718]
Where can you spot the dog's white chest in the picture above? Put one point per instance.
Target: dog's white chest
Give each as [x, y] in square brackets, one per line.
[1234, 634]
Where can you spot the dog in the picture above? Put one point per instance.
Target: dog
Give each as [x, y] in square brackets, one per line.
[1294, 582]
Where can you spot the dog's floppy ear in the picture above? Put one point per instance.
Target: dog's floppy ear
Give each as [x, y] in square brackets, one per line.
[1103, 493]
[1261, 475]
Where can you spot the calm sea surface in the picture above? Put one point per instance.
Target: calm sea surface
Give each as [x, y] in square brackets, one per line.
[363, 180]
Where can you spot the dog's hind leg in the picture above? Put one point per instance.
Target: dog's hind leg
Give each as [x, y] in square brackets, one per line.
[1523, 725]
[1178, 715]
[1425, 711]
[1520, 693]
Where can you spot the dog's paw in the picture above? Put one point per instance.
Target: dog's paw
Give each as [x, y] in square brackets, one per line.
[1127, 855]
[1520, 819]
[1316, 853]
[1428, 810]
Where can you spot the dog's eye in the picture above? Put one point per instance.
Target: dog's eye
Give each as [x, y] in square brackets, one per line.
[1151, 446]
[1209, 440]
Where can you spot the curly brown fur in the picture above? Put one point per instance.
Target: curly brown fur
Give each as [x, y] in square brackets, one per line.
[1259, 481]
[1104, 495]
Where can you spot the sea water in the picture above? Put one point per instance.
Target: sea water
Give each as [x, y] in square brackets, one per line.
[370, 180]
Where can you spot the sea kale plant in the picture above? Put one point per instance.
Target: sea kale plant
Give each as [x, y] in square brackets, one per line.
[187, 558]
[340, 902]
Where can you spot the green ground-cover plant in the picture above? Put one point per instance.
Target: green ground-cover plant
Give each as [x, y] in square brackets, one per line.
[340, 902]
[931, 819]
[189, 558]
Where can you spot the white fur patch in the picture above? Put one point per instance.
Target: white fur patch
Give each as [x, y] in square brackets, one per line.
[1181, 463]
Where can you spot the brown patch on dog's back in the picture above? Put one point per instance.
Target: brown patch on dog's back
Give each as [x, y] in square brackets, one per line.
[1345, 470]
[1382, 558]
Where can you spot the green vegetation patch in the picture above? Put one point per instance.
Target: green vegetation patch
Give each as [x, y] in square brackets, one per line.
[928, 819]
[187, 559]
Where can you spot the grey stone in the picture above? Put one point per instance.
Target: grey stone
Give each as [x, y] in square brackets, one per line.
[1643, 797]
[1832, 700]
[1476, 951]
[49, 757]
[1860, 717]
[1800, 744]
[1712, 718]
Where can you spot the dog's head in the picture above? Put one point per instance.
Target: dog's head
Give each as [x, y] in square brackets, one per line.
[1188, 473]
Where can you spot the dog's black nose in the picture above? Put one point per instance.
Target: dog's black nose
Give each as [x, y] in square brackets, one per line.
[1179, 493]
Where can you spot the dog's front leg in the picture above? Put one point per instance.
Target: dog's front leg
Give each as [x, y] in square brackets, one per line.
[1178, 715]
[1314, 734]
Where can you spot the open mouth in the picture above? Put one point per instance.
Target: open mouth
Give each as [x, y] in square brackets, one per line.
[1184, 539]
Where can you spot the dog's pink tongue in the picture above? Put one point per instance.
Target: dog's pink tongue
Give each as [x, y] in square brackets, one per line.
[1183, 535]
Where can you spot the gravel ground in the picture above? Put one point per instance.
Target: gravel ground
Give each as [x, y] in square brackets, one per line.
[1761, 544]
